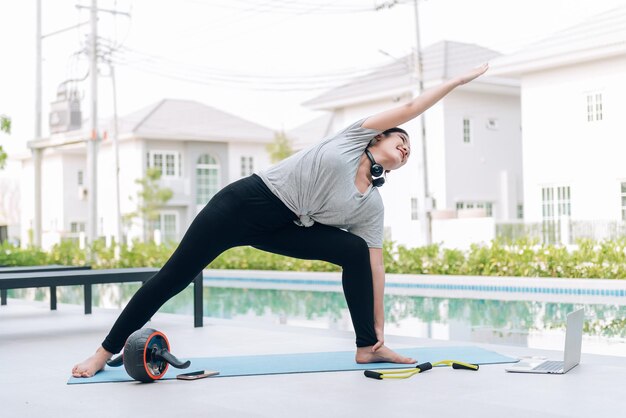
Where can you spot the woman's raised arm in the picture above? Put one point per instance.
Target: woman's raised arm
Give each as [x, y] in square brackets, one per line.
[402, 114]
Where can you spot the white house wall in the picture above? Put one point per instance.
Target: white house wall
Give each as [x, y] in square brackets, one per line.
[75, 209]
[258, 153]
[436, 153]
[52, 189]
[561, 148]
[131, 169]
[27, 201]
[474, 169]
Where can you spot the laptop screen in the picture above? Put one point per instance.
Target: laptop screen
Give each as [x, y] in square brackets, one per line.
[573, 339]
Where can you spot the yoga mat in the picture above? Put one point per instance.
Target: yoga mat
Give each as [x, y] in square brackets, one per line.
[306, 363]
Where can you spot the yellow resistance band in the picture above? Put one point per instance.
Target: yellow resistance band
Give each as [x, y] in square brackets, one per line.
[405, 373]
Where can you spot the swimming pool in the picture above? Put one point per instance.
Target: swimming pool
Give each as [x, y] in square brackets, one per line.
[472, 312]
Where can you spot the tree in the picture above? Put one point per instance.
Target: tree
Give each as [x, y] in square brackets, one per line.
[5, 126]
[280, 148]
[150, 198]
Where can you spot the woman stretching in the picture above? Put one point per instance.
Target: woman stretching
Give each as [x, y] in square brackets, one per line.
[321, 203]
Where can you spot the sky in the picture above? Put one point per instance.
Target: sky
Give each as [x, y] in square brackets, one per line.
[257, 59]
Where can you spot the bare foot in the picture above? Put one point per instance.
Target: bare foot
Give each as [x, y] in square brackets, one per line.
[93, 364]
[382, 355]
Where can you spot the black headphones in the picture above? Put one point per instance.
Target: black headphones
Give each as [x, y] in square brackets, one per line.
[376, 170]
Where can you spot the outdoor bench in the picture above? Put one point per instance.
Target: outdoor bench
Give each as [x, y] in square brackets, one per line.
[37, 269]
[86, 278]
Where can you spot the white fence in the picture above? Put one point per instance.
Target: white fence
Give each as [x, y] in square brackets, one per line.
[460, 233]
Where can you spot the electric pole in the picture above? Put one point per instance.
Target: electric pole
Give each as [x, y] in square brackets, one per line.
[94, 137]
[37, 152]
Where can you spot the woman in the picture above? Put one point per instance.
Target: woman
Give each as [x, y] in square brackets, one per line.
[320, 203]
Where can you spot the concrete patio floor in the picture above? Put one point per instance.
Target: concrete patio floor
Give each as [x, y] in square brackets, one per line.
[38, 347]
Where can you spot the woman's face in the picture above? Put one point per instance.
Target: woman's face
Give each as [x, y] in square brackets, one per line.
[394, 150]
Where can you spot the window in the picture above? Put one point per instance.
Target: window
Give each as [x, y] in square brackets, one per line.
[414, 209]
[563, 201]
[594, 107]
[488, 206]
[554, 198]
[207, 179]
[167, 224]
[168, 163]
[598, 107]
[467, 131]
[157, 162]
[623, 196]
[520, 211]
[547, 203]
[77, 227]
[80, 177]
[247, 166]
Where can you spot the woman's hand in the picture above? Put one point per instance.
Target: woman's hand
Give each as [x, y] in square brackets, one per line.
[380, 336]
[474, 73]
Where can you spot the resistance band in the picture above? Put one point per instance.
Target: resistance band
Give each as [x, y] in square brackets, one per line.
[405, 373]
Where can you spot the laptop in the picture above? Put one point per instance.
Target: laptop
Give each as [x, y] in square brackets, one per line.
[573, 344]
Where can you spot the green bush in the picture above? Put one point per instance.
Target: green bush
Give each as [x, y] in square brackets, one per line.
[523, 258]
[15, 256]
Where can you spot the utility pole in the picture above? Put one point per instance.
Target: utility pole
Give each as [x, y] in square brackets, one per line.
[94, 137]
[37, 152]
[426, 201]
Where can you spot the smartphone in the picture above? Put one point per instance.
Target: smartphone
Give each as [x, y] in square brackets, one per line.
[200, 374]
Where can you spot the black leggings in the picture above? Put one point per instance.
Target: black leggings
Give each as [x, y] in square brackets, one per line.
[246, 212]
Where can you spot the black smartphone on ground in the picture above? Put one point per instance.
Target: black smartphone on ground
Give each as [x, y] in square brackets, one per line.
[200, 374]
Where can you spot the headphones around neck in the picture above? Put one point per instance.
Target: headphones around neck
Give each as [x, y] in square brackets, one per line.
[376, 170]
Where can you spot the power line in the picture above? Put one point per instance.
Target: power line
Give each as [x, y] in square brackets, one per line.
[202, 75]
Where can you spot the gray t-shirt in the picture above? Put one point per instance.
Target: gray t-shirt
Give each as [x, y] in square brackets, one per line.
[317, 184]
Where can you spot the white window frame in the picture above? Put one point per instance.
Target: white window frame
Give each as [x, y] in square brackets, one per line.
[162, 215]
[164, 154]
[469, 130]
[595, 112]
[556, 202]
[217, 167]
[77, 227]
[476, 204]
[246, 165]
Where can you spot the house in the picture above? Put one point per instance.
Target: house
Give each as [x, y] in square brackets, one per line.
[473, 138]
[198, 150]
[573, 91]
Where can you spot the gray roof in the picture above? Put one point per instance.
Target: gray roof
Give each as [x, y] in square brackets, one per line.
[187, 119]
[599, 36]
[311, 132]
[439, 61]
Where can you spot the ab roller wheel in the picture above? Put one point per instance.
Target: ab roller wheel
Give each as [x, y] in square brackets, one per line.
[146, 356]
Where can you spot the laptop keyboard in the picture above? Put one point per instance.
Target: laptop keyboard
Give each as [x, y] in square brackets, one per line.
[551, 366]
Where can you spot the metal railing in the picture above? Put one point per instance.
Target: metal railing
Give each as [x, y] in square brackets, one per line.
[563, 231]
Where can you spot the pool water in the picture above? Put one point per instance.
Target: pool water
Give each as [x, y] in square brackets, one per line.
[522, 323]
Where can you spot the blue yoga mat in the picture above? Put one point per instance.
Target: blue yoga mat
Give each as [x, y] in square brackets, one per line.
[306, 363]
